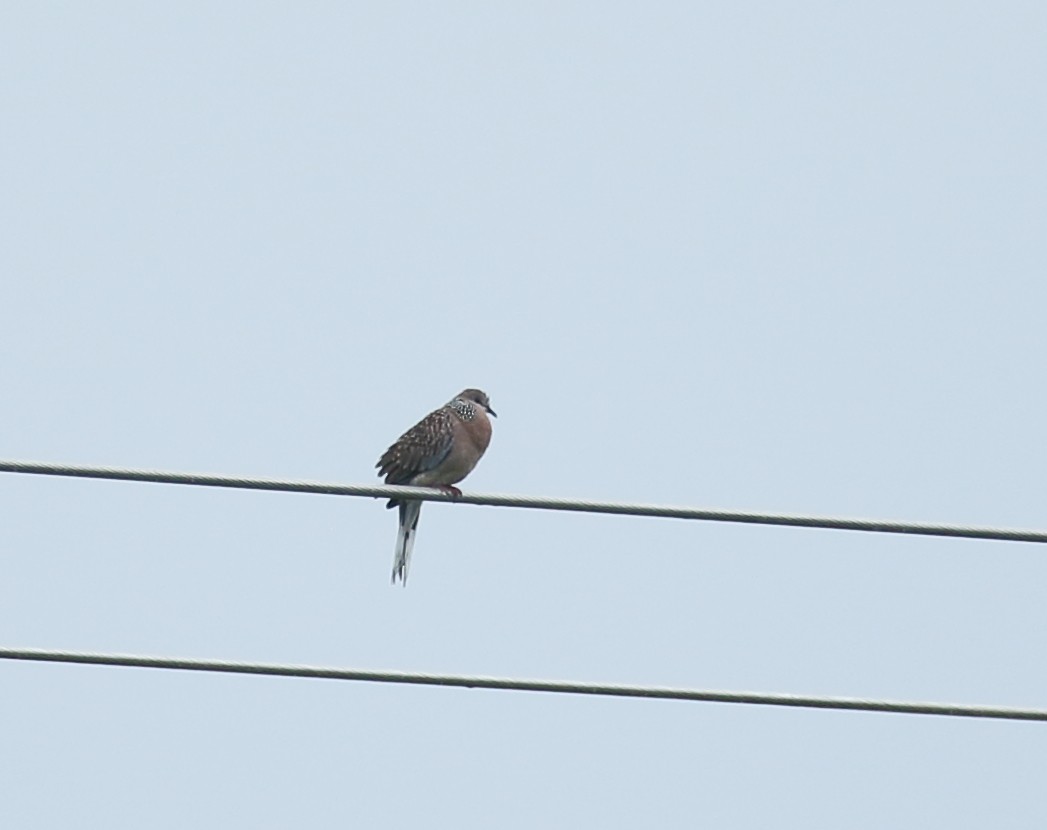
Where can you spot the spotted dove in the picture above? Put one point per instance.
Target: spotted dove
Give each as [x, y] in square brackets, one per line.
[438, 451]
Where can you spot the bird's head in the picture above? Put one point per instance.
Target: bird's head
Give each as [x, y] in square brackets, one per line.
[477, 397]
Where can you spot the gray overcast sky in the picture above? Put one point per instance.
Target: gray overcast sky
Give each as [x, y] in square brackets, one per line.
[745, 255]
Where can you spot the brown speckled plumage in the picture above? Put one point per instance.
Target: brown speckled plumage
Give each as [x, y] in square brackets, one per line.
[438, 451]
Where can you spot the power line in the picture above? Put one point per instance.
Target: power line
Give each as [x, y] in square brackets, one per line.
[960, 710]
[532, 502]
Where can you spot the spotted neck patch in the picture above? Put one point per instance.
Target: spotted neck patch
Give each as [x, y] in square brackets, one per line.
[463, 409]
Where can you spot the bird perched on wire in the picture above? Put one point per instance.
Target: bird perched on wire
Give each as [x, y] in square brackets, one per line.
[438, 451]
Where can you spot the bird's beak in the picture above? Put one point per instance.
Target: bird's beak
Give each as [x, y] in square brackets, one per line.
[491, 412]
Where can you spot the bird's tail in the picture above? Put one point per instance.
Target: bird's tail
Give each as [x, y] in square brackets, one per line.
[409, 512]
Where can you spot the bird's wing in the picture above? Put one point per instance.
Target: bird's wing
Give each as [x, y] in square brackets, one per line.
[421, 449]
